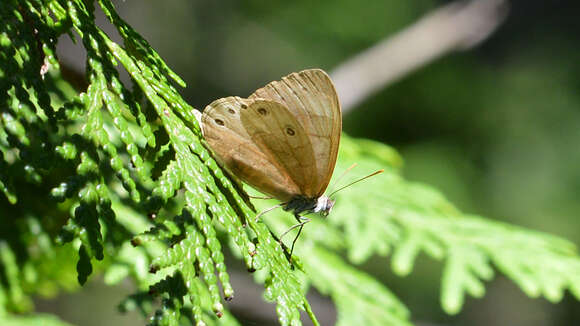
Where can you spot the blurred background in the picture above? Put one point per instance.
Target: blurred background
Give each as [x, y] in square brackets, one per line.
[495, 127]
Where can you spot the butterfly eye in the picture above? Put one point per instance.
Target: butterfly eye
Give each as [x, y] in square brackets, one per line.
[262, 111]
[290, 131]
[219, 122]
[232, 111]
[244, 106]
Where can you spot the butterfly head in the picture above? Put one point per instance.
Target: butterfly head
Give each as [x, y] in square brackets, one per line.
[323, 206]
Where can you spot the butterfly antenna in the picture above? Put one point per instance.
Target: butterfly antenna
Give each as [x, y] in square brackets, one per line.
[359, 180]
[343, 174]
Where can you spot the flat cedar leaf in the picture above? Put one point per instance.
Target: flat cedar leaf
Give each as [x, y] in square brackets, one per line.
[359, 299]
[282, 284]
[411, 218]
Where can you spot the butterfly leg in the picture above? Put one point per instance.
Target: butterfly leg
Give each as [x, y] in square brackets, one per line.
[261, 197]
[267, 210]
[297, 235]
[301, 221]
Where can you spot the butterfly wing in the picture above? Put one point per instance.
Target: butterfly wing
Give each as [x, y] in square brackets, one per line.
[275, 130]
[235, 149]
[311, 98]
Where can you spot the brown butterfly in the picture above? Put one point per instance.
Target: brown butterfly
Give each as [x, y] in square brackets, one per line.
[282, 140]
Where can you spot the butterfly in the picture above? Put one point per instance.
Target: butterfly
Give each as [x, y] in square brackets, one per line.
[282, 140]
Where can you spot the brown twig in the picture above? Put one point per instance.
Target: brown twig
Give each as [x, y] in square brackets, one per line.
[457, 26]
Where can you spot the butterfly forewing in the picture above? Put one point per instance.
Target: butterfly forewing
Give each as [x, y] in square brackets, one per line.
[311, 98]
[278, 134]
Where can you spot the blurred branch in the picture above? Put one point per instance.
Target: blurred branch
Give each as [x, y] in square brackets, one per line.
[454, 27]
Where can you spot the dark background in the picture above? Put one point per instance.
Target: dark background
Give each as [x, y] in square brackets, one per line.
[495, 128]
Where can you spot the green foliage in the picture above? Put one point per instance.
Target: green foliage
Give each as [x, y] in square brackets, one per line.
[36, 320]
[391, 216]
[417, 218]
[120, 177]
[98, 144]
